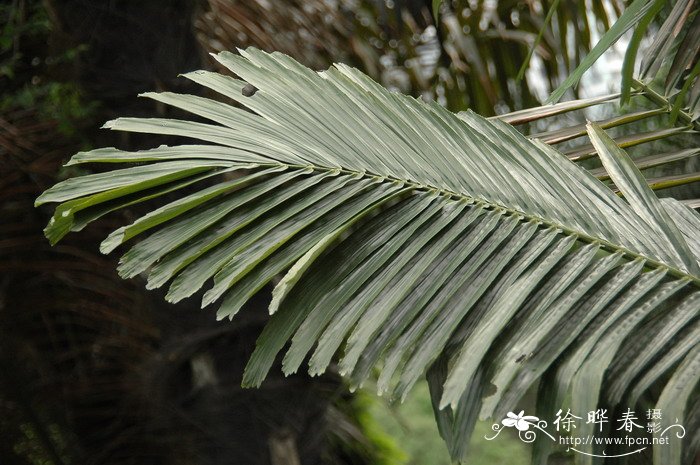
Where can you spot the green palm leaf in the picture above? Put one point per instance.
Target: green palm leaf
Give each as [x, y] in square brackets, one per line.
[673, 51]
[412, 238]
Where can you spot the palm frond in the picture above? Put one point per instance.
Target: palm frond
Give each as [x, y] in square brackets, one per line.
[671, 57]
[661, 136]
[637, 12]
[412, 238]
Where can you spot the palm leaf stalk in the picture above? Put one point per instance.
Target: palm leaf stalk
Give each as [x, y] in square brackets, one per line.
[685, 124]
[672, 56]
[667, 76]
[412, 238]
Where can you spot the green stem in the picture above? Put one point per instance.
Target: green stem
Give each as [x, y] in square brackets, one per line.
[663, 102]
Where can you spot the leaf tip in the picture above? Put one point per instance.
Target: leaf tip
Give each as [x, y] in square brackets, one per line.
[40, 200]
[110, 124]
[112, 241]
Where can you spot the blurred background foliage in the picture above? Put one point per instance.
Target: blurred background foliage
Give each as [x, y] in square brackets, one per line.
[95, 370]
[469, 58]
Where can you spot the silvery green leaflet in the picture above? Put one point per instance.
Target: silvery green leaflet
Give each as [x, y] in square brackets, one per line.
[410, 239]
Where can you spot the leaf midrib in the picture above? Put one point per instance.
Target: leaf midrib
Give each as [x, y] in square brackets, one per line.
[582, 236]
